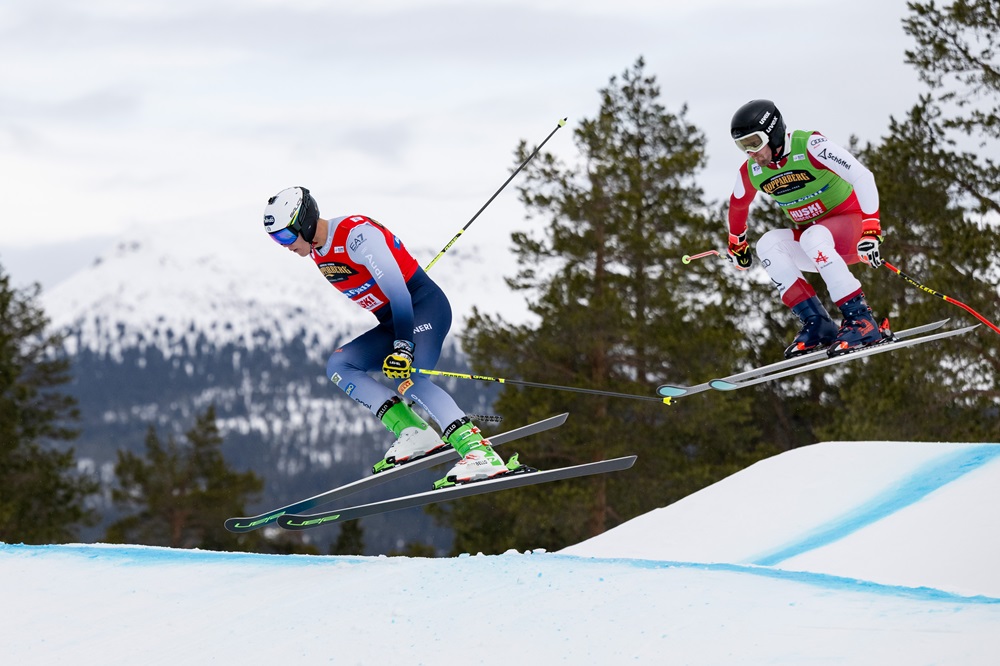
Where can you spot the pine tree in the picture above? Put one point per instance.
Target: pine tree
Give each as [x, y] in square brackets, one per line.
[939, 205]
[616, 310]
[182, 492]
[350, 540]
[41, 494]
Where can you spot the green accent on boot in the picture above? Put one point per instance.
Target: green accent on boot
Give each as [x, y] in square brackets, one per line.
[465, 438]
[382, 465]
[443, 483]
[512, 466]
[401, 416]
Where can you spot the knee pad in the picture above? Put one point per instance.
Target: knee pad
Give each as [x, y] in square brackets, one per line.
[817, 240]
[773, 241]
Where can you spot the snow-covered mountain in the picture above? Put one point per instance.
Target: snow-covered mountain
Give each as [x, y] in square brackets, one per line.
[172, 319]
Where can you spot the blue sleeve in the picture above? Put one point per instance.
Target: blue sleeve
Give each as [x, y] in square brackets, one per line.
[367, 246]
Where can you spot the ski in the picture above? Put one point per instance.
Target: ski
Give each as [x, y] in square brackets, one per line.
[512, 480]
[864, 352]
[678, 390]
[250, 523]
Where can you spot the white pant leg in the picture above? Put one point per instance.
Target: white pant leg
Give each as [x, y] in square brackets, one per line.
[783, 259]
[818, 246]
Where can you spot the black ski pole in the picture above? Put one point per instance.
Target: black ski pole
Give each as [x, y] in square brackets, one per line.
[517, 382]
[469, 223]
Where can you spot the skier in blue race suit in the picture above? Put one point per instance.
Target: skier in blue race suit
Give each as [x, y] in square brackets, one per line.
[372, 267]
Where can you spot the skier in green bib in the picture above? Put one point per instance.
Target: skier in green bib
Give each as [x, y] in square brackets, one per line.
[832, 202]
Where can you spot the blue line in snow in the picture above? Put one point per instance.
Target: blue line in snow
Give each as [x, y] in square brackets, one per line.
[825, 581]
[158, 556]
[923, 481]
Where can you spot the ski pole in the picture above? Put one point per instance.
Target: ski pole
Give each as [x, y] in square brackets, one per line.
[516, 382]
[469, 223]
[688, 258]
[941, 296]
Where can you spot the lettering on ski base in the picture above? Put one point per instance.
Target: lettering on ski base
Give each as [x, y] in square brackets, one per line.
[317, 521]
[262, 521]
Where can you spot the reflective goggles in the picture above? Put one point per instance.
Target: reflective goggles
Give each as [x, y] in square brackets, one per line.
[751, 143]
[285, 237]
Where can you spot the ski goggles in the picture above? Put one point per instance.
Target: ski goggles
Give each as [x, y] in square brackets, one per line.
[751, 143]
[285, 236]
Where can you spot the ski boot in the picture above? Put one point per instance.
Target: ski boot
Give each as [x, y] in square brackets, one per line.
[479, 461]
[858, 329]
[414, 437]
[818, 329]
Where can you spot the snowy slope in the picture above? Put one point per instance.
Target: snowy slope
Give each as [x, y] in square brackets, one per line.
[839, 553]
[898, 516]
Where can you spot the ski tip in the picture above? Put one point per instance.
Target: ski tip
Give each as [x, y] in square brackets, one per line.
[671, 391]
[723, 385]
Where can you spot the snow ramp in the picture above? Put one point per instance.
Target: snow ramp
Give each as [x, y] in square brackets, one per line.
[914, 514]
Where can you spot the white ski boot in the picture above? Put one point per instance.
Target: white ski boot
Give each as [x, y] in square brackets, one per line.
[414, 436]
[479, 461]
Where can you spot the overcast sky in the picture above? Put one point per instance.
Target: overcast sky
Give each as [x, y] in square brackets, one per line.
[117, 114]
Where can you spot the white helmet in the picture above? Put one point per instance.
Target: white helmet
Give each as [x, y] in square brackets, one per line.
[291, 213]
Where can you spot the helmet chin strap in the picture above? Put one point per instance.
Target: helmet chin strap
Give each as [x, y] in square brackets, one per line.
[778, 155]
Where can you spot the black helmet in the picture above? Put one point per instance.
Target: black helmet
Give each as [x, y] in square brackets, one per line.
[753, 122]
[290, 213]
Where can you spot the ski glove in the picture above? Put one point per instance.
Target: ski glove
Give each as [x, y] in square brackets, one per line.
[739, 251]
[868, 248]
[398, 364]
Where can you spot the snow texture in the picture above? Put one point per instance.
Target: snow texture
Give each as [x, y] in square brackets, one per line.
[837, 553]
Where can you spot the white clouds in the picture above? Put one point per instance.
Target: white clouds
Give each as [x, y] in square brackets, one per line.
[120, 112]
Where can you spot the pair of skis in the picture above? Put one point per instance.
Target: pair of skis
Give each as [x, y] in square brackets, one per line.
[293, 516]
[812, 361]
